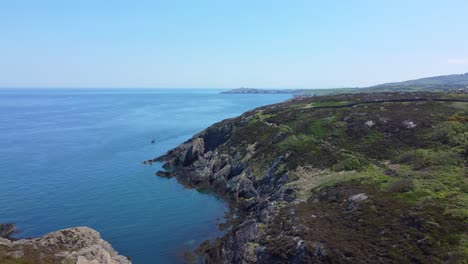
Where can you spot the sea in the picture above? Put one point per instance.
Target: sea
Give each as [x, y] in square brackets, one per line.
[73, 157]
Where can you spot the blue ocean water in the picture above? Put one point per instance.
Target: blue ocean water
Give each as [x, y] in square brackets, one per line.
[72, 157]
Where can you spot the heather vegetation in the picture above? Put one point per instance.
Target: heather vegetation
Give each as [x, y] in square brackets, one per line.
[343, 178]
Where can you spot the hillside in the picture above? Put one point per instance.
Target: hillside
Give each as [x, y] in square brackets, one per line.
[448, 80]
[351, 178]
[444, 83]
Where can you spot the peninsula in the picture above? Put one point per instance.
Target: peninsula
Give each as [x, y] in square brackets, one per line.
[348, 178]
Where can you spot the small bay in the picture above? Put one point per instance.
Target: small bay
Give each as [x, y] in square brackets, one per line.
[72, 157]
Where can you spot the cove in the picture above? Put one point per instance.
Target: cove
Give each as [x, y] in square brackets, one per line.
[72, 157]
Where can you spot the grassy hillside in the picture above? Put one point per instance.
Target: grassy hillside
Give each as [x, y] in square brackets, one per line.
[454, 79]
[338, 179]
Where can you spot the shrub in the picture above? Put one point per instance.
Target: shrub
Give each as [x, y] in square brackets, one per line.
[401, 186]
[350, 163]
[423, 158]
[452, 133]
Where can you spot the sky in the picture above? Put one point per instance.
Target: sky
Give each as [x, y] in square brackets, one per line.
[229, 44]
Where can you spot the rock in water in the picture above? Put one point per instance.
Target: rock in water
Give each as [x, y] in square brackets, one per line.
[164, 174]
[6, 230]
[148, 162]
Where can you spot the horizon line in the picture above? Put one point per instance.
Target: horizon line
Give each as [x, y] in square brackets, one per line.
[224, 88]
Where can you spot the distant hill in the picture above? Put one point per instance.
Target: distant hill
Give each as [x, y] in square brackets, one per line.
[429, 84]
[262, 91]
[446, 80]
[296, 92]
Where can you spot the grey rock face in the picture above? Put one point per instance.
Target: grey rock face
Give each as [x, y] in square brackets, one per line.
[358, 197]
[200, 163]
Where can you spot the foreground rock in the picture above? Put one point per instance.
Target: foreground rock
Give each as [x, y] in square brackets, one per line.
[80, 245]
[352, 178]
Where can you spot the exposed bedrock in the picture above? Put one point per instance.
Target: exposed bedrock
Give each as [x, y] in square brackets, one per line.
[335, 179]
[80, 245]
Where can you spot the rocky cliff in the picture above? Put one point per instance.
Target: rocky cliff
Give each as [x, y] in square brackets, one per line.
[80, 245]
[352, 178]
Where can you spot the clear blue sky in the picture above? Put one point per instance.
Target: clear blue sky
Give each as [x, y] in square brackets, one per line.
[224, 44]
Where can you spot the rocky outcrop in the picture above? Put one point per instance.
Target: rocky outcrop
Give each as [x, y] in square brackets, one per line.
[200, 163]
[80, 245]
[270, 165]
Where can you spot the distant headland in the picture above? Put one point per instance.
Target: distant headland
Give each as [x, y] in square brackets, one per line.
[444, 83]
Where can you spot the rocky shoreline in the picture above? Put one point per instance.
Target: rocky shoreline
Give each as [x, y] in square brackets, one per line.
[80, 245]
[302, 175]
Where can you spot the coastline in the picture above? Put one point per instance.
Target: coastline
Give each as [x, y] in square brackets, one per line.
[145, 217]
[222, 158]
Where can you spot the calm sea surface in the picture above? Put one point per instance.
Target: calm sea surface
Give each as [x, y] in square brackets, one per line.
[72, 157]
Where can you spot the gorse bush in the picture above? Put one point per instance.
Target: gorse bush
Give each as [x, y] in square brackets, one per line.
[350, 163]
[452, 133]
[423, 158]
[401, 186]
